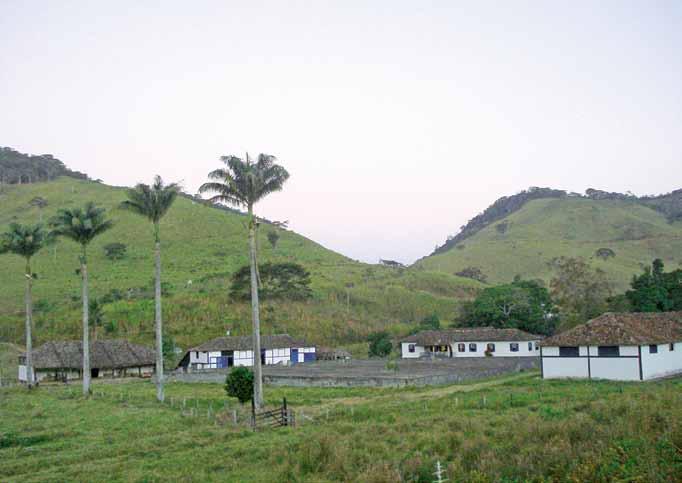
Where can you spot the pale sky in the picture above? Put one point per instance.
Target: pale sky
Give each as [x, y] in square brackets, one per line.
[398, 121]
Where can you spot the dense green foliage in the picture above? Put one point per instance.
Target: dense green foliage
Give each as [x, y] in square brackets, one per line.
[17, 168]
[380, 344]
[527, 430]
[278, 281]
[239, 384]
[522, 304]
[24, 240]
[580, 292]
[655, 290]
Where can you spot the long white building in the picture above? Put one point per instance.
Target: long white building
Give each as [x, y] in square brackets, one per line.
[232, 351]
[471, 342]
[623, 347]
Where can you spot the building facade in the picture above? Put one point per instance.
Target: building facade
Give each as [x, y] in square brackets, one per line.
[471, 342]
[230, 351]
[63, 360]
[622, 347]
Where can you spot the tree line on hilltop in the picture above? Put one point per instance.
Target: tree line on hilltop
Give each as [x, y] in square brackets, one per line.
[20, 168]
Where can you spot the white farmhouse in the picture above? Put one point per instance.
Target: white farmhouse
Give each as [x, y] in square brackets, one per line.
[224, 352]
[63, 360]
[623, 347]
[471, 342]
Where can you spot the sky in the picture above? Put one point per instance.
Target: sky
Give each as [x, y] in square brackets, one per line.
[398, 121]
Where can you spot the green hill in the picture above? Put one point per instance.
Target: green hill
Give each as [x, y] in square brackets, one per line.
[202, 247]
[526, 241]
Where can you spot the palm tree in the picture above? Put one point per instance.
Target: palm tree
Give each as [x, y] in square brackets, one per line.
[82, 225]
[244, 183]
[154, 202]
[26, 241]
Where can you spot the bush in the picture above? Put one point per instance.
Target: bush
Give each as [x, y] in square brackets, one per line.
[239, 384]
[380, 344]
[115, 251]
[430, 322]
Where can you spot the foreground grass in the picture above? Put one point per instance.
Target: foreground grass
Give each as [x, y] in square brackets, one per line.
[517, 429]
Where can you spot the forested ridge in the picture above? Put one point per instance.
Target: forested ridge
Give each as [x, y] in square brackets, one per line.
[20, 168]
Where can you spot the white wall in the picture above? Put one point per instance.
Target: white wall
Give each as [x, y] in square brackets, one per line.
[502, 349]
[562, 367]
[207, 360]
[615, 368]
[664, 363]
[405, 350]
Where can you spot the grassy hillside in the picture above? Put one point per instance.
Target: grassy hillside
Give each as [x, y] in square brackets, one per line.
[526, 241]
[202, 246]
[519, 428]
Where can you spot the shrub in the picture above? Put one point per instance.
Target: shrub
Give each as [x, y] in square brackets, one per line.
[239, 384]
[605, 253]
[380, 344]
[115, 251]
[473, 273]
[430, 322]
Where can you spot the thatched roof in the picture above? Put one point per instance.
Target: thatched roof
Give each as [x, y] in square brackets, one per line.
[623, 329]
[104, 354]
[469, 334]
[245, 342]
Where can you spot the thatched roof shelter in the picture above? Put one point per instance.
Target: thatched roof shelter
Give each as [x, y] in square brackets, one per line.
[104, 354]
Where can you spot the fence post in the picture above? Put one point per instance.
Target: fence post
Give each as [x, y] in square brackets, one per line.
[285, 413]
[234, 416]
[253, 414]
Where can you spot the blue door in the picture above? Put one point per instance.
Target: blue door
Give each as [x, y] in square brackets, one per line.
[309, 357]
[294, 356]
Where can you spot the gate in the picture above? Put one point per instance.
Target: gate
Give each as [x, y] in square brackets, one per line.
[274, 418]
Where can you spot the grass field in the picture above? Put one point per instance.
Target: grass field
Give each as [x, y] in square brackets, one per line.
[526, 241]
[203, 245]
[513, 429]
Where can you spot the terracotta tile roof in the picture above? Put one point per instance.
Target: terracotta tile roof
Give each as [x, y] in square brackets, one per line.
[104, 354]
[623, 329]
[469, 334]
[241, 343]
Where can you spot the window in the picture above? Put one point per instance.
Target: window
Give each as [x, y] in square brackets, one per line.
[514, 347]
[608, 351]
[530, 346]
[461, 347]
[410, 348]
[568, 352]
[472, 347]
[672, 346]
[491, 347]
[653, 349]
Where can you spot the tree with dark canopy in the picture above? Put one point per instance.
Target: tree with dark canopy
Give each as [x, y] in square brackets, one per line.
[244, 183]
[278, 281]
[522, 304]
[656, 291]
[153, 202]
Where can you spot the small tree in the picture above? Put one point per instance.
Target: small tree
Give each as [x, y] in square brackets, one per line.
[273, 238]
[380, 344]
[239, 384]
[115, 251]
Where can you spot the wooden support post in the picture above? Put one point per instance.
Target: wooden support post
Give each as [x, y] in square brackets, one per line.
[234, 417]
[253, 414]
[285, 413]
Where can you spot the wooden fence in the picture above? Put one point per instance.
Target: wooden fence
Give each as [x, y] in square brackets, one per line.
[274, 418]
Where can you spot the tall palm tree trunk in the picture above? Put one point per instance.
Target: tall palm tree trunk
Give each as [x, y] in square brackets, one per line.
[158, 324]
[257, 370]
[86, 341]
[29, 324]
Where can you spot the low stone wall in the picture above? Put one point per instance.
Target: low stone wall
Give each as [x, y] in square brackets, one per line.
[374, 373]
